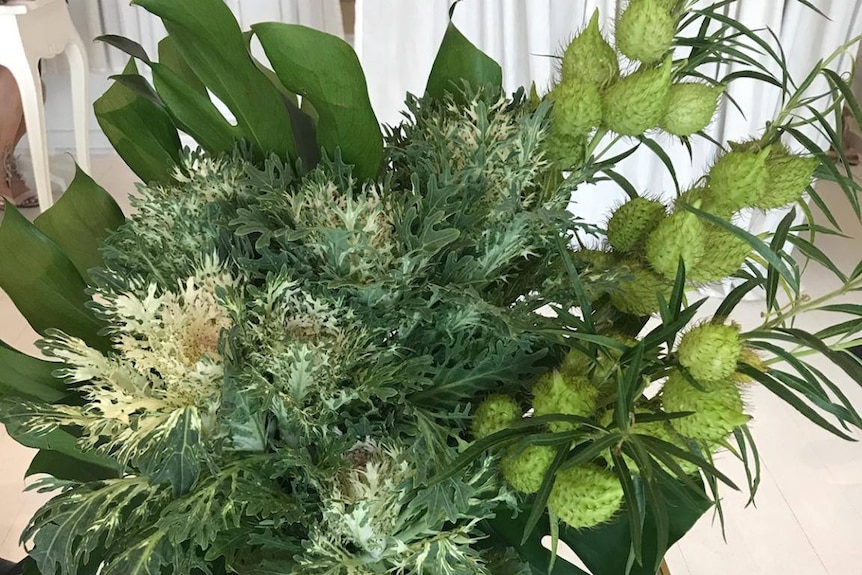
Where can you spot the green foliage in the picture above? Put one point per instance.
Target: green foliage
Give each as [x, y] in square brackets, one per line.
[312, 350]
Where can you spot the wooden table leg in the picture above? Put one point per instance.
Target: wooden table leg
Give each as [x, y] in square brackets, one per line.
[664, 569]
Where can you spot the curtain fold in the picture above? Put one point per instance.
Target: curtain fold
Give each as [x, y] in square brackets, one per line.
[97, 17]
[398, 39]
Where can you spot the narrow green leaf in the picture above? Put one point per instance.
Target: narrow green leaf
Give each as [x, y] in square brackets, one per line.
[303, 58]
[459, 61]
[664, 158]
[777, 244]
[541, 499]
[141, 132]
[634, 513]
[80, 221]
[42, 281]
[735, 297]
[127, 45]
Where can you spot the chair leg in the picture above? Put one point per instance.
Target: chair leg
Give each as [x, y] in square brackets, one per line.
[30, 87]
[79, 70]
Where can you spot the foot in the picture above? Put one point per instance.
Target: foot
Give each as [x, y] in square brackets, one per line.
[14, 189]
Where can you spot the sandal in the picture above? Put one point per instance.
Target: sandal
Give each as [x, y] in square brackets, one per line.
[25, 199]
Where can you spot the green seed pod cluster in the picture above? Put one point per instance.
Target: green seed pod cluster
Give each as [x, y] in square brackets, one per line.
[524, 469]
[715, 413]
[577, 364]
[661, 430]
[595, 259]
[638, 102]
[577, 109]
[710, 351]
[679, 236]
[632, 222]
[789, 176]
[645, 30]
[704, 199]
[638, 293]
[495, 414]
[726, 253]
[739, 178]
[556, 393]
[690, 108]
[589, 59]
[585, 496]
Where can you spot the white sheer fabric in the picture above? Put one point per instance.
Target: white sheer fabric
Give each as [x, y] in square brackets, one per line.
[397, 40]
[96, 17]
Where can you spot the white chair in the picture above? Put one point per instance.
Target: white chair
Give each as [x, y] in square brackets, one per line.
[31, 30]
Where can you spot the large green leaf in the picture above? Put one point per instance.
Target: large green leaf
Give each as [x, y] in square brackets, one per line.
[63, 466]
[209, 39]
[141, 131]
[61, 442]
[605, 549]
[169, 56]
[459, 61]
[43, 282]
[325, 70]
[28, 377]
[193, 112]
[80, 221]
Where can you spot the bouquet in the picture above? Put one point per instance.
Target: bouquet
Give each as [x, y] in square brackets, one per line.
[317, 347]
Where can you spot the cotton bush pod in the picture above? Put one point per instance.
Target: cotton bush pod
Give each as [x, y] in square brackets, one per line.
[638, 102]
[524, 469]
[682, 235]
[555, 393]
[716, 412]
[739, 178]
[577, 109]
[632, 222]
[585, 496]
[638, 295]
[710, 351]
[705, 200]
[690, 108]
[576, 364]
[645, 30]
[495, 414]
[725, 254]
[589, 59]
[789, 176]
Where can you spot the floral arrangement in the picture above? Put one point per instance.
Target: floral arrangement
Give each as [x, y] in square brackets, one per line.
[319, 348]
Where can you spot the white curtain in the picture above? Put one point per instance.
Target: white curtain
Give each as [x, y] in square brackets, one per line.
[397, 41]
[96, 17]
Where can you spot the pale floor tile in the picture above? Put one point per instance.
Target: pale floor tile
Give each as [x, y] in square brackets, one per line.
[809, 507]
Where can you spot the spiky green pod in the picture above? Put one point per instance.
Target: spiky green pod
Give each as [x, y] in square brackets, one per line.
[565, 150]
[661, 430]
[725, 254]
[577, 109]
[584, 497]
[632, 222]
[789, 177]
[638, 293]
[739, 178]
[555, 393]
[495, 414]
[597, 259]
[645, 30]
[704, 199]
[525, 469]
[578, 364]
[715, 413]
[589, 59]
[690, 108]
[710, 351]
[682, 235]
[637, 102]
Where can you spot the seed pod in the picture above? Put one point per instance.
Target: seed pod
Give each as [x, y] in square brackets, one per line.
[632, 222]
[710, 351]
[495, 414]
[739, 178]
[585, 496]
[715, 413]
[789, 176]
[690, 108]
[555, 393]
[525, 469]
[589, 59]
[645, 30]
[638, 295]
[704, 199]
[638, 102]
[682, 235]
[577, 109]
[724, 255]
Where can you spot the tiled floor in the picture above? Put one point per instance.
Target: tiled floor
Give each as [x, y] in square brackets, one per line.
[808, 517]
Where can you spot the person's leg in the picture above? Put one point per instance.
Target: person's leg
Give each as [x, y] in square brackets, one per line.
[12, 129]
